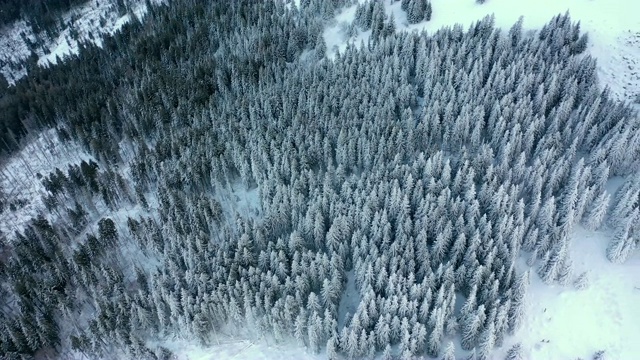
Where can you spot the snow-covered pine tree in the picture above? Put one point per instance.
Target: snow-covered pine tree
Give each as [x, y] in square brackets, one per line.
[515, 352]
[315, 332]
[487, 341]
[600, 355]
[548, 268]
[387, 353]
[332, 348]
[449, 352]
[471, 328]
[582, 281]
[597, 211]
[416, 11]
[623, 242]
[300, 327]
[516, 311]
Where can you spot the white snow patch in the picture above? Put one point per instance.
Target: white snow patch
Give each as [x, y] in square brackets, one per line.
[613, 27]
[238, 199]
[18, 176]
[336, 35]
[614, 184]
[349, 301]
[14, 49]
[120, 23]
[227, 349]
[565, 323]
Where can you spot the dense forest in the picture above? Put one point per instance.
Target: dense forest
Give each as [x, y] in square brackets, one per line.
[410, 172]
[42, 12]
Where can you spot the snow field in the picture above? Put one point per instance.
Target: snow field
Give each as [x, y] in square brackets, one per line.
[229, 348]
[567, 323]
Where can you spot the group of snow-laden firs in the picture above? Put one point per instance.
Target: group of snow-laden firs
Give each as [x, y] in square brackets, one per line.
[407, 174]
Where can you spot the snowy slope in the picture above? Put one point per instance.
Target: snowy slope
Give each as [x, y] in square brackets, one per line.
[19, 176]
[561, 322]
[86, 21]
[91, 22]
[603, 316]
[576, 323]
[14, 49]
[566, 323]
[613, 27]
[229, 348]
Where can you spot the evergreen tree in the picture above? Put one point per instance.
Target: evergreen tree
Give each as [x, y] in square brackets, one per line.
[108, 232]
[275, 184]
[449, 352]
[599, 355]
[582, 281]
[596, 213]
[622, 244]
[332, 348]
[515, 352]
[516, 311]
[487, 341]
[471, 327]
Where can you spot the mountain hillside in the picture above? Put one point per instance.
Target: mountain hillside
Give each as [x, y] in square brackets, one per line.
[321, 179]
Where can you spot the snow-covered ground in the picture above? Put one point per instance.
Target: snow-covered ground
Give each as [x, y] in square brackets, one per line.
[14, 49]
[239, 200]
[564, 322]
[229, 348]
[19, 180]
[560, 322]
[567, 323]
[90, 23]
[86, 21]
[613, 27]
